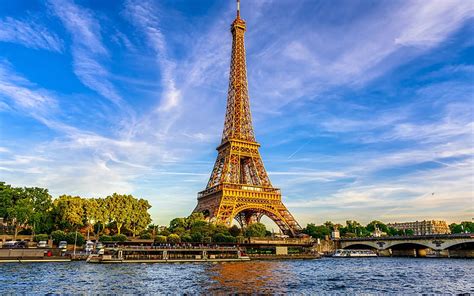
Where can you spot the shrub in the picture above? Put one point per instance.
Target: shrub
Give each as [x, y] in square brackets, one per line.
[58, 236]
[223, 238]
[219, 238]
[196, 237]
[186, 238]
[165, 232]
[234, 230]
[174, 238]
[119, 238]
[145, 235]
[105, 238]
[255, 230]
[71, 238]
[230, 239]
[41, 237]
[160, 239]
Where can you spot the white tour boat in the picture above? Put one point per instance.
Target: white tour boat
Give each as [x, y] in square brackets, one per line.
[354, 253]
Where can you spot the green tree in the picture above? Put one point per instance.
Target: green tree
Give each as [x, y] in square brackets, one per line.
[177, 223]
[356, 228]
[120, 206]
[380, 225]
[102, 215]
[164, 232]
[160, 239]
[255, 230]
[197, 237]
[119, 238]
[174, 238]
[105, 238]
[139, 217]
[468, 226]
[91, 212]
[57, 236]
[20, 213]
[6, 199]
[69, 212]
[186, 238]
[153, 228]
[393, 232]
[329, 225]
[316, 231]
[463, 227]
[40, 237]
[222, 238]
[75, 237]
[202, 228]
[234, 230]
[193, 218]
[42, 203]
[145, 235]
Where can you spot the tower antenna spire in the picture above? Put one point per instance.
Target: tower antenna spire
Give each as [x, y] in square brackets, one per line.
[238, 8]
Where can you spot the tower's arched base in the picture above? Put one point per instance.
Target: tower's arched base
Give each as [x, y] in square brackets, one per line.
[247, 205]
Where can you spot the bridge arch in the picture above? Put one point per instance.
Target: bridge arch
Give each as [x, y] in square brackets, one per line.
[460, 245]
[248, 214]
[409, 244]
[358, 245]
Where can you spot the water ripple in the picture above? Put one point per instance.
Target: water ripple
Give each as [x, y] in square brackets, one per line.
[331, 276]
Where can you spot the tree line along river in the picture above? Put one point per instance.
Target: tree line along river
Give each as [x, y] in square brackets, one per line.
[327, 275]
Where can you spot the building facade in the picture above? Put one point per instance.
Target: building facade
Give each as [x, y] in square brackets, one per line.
[423, 227]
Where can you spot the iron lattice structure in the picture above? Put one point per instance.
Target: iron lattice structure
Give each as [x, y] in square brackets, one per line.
[239, 186]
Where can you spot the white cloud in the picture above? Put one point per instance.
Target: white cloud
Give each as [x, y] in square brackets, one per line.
[353, 52]
[430, 22]
[87, 49]
[155, 155]
[29, 34]
[23, 94]
[144, 15]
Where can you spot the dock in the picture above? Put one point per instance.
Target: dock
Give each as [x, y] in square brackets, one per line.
[168, 255]
[31, 256]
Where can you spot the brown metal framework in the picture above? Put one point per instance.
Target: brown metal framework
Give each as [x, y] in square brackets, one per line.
[239, 187]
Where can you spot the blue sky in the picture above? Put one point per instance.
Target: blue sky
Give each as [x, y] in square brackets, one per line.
[364, 109]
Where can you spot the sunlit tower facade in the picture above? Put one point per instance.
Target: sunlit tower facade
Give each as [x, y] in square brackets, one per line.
[239, 187]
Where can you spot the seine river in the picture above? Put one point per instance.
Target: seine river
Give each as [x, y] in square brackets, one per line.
[328, 275]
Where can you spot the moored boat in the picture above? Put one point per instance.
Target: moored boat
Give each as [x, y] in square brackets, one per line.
[168, 255]
[354, 253]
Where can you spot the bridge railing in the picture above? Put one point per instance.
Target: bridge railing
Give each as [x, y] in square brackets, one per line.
[408, 237]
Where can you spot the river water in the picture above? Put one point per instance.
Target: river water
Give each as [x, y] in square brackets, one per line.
[328, 275]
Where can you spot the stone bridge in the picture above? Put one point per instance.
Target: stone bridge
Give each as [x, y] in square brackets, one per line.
[434, 242]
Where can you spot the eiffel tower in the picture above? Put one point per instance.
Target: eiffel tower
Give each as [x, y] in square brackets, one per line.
[239, 187]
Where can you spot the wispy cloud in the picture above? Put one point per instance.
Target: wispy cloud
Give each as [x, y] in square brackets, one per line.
[343, 134]
[427, 24]
[441, 193]
[29, 34]
[309, 58]
[18, 92]
[88, 51]
[145, 16]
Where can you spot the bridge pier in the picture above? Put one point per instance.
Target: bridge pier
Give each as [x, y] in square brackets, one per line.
[385, 253]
